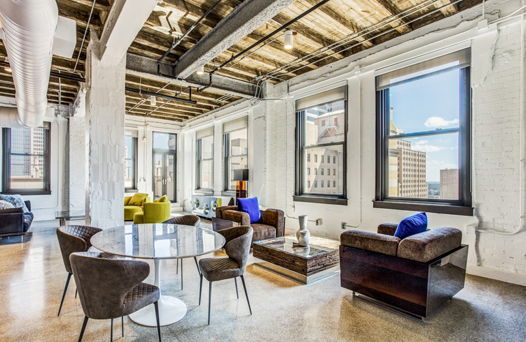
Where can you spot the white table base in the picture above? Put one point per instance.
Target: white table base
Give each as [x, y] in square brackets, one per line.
[171, 309]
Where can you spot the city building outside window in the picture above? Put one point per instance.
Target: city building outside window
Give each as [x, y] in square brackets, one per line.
[205, 159]
[130, 158]
[321, 130]
[423, 136]
[26, 160]
[235, 150]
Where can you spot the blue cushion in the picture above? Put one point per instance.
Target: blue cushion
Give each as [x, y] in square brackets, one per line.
[250, 206]
[16, 201]
[411, 225]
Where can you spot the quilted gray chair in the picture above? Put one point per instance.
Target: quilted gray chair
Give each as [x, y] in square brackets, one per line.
[237, 247]
[112, 288]
[73, 239]
[186, 220]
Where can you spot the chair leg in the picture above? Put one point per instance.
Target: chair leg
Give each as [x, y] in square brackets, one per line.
[200, 287]
[209, 300]
[157, 318]
[237, 292]
[181, 274]
[83, 328]
[246, 294]
[122, 325]
[64, 294]
[111, 331]
[76, 291]
[176, 266]
[197, 265]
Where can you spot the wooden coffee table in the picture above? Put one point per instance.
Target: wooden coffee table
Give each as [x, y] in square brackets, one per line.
[306, 265]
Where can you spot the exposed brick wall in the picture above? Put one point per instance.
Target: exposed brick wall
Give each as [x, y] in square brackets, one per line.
[77, 163]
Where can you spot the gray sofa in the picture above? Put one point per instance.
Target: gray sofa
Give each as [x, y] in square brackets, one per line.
[415, 275]
[14, 221]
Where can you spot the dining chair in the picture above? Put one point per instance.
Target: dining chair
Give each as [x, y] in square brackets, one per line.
[73, 239]
[237, 247]
[186, 220]
[112, 288]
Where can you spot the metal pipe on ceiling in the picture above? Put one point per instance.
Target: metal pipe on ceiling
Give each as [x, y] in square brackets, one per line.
[85, 33]
[189, 30]
[313, 8]
[149, 93]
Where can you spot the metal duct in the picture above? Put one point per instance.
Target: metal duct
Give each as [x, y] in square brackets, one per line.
[9, 118]
[28, 27]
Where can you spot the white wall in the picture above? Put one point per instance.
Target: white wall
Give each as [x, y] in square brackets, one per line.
[498, 141]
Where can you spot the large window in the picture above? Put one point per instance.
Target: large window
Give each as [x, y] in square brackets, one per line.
[205, 159]
[26, 160]
[423, 136]
[235, 150]
[130, 155]
[164, 165]
[321, 131]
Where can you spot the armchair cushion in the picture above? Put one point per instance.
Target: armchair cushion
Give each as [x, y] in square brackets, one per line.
[5, 205]
[274, 218]
[237, 216]
[137, 199]
[250, 206]
[263, 232]
[127, 200]
[387, 228]
[373, 242]
[411, 225]
[430, 244]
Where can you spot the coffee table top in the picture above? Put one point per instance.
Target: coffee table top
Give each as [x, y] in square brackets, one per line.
[288, 244]
[67, 214]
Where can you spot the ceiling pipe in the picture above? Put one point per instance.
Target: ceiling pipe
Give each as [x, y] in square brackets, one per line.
[189, 30]
[28, 27]
[149, 93]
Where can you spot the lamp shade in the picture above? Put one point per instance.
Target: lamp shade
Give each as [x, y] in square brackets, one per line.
[288, 42]
[241, 175]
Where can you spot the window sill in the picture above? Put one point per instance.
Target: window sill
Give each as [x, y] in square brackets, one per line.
[427, 207]
[230, 193]
[26, 193]
[204, 192]
[320, 199]
[130, 190]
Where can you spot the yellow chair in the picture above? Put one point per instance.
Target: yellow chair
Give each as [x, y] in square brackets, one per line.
[157, 211]
[134, 204]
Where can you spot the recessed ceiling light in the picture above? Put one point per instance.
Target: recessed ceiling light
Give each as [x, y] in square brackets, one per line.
[288, 42]
[201, 70]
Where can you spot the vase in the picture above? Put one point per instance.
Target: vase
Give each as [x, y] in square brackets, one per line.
[303, 235]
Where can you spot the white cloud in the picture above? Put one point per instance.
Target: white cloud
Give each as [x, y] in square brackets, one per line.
[437, 121]
[423, 146]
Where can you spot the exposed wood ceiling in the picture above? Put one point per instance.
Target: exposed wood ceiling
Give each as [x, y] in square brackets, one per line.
[321, 31]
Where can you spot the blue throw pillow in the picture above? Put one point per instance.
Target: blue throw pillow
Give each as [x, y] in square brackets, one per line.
[16, 201]
[250, 206]
[411, 225]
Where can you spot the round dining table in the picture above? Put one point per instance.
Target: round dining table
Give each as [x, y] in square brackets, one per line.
[158, 241]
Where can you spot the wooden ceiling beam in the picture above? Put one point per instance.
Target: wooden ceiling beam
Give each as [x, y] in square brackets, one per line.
[158, 109]
[156, 116]
[388, 8]
[173, 104]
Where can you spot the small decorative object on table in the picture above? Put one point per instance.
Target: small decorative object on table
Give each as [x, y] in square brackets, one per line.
[303, 235]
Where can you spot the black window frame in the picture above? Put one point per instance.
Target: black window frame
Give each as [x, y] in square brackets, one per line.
[462, 206]
[6, 165]
[135, 166]
[199, 160]
[226, 161]
[300, 163]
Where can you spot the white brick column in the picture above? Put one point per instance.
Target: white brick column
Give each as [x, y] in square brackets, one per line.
[77, 163]
[105, 135]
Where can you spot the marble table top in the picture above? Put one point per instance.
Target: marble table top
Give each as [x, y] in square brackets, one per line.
[158, 241]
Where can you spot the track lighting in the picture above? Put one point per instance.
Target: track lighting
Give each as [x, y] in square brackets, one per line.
[289, 40]
[153, 100]
[201, 70]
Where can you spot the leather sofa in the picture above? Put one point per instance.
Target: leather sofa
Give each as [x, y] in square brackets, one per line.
[14, 221]
[271, 225]
[416, 275]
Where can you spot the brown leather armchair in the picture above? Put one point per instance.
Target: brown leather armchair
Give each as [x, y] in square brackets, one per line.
[271, 225]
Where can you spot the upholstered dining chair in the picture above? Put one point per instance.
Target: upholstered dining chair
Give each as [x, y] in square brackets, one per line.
[237, 247]
[112, 288]
[186, 220]
[73, 239]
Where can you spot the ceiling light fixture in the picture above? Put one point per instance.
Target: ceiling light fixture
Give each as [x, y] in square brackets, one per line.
[153, 100]
[201, 70]
[289, 40]
[7, 68]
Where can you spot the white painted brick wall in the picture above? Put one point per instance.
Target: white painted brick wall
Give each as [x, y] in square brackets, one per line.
[105, 113]
[77, 163]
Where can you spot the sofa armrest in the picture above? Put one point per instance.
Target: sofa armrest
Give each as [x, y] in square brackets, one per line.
[12, 221]
[155, 212]
[237, 216]
[28, 205]
[387, 228]
[220, 210]
[275, 218]
[430, 244]
[373, 242]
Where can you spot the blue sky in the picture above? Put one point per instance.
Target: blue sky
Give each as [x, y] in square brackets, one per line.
[428, 104]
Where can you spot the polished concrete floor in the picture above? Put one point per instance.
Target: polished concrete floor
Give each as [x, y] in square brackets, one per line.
[32, 278]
